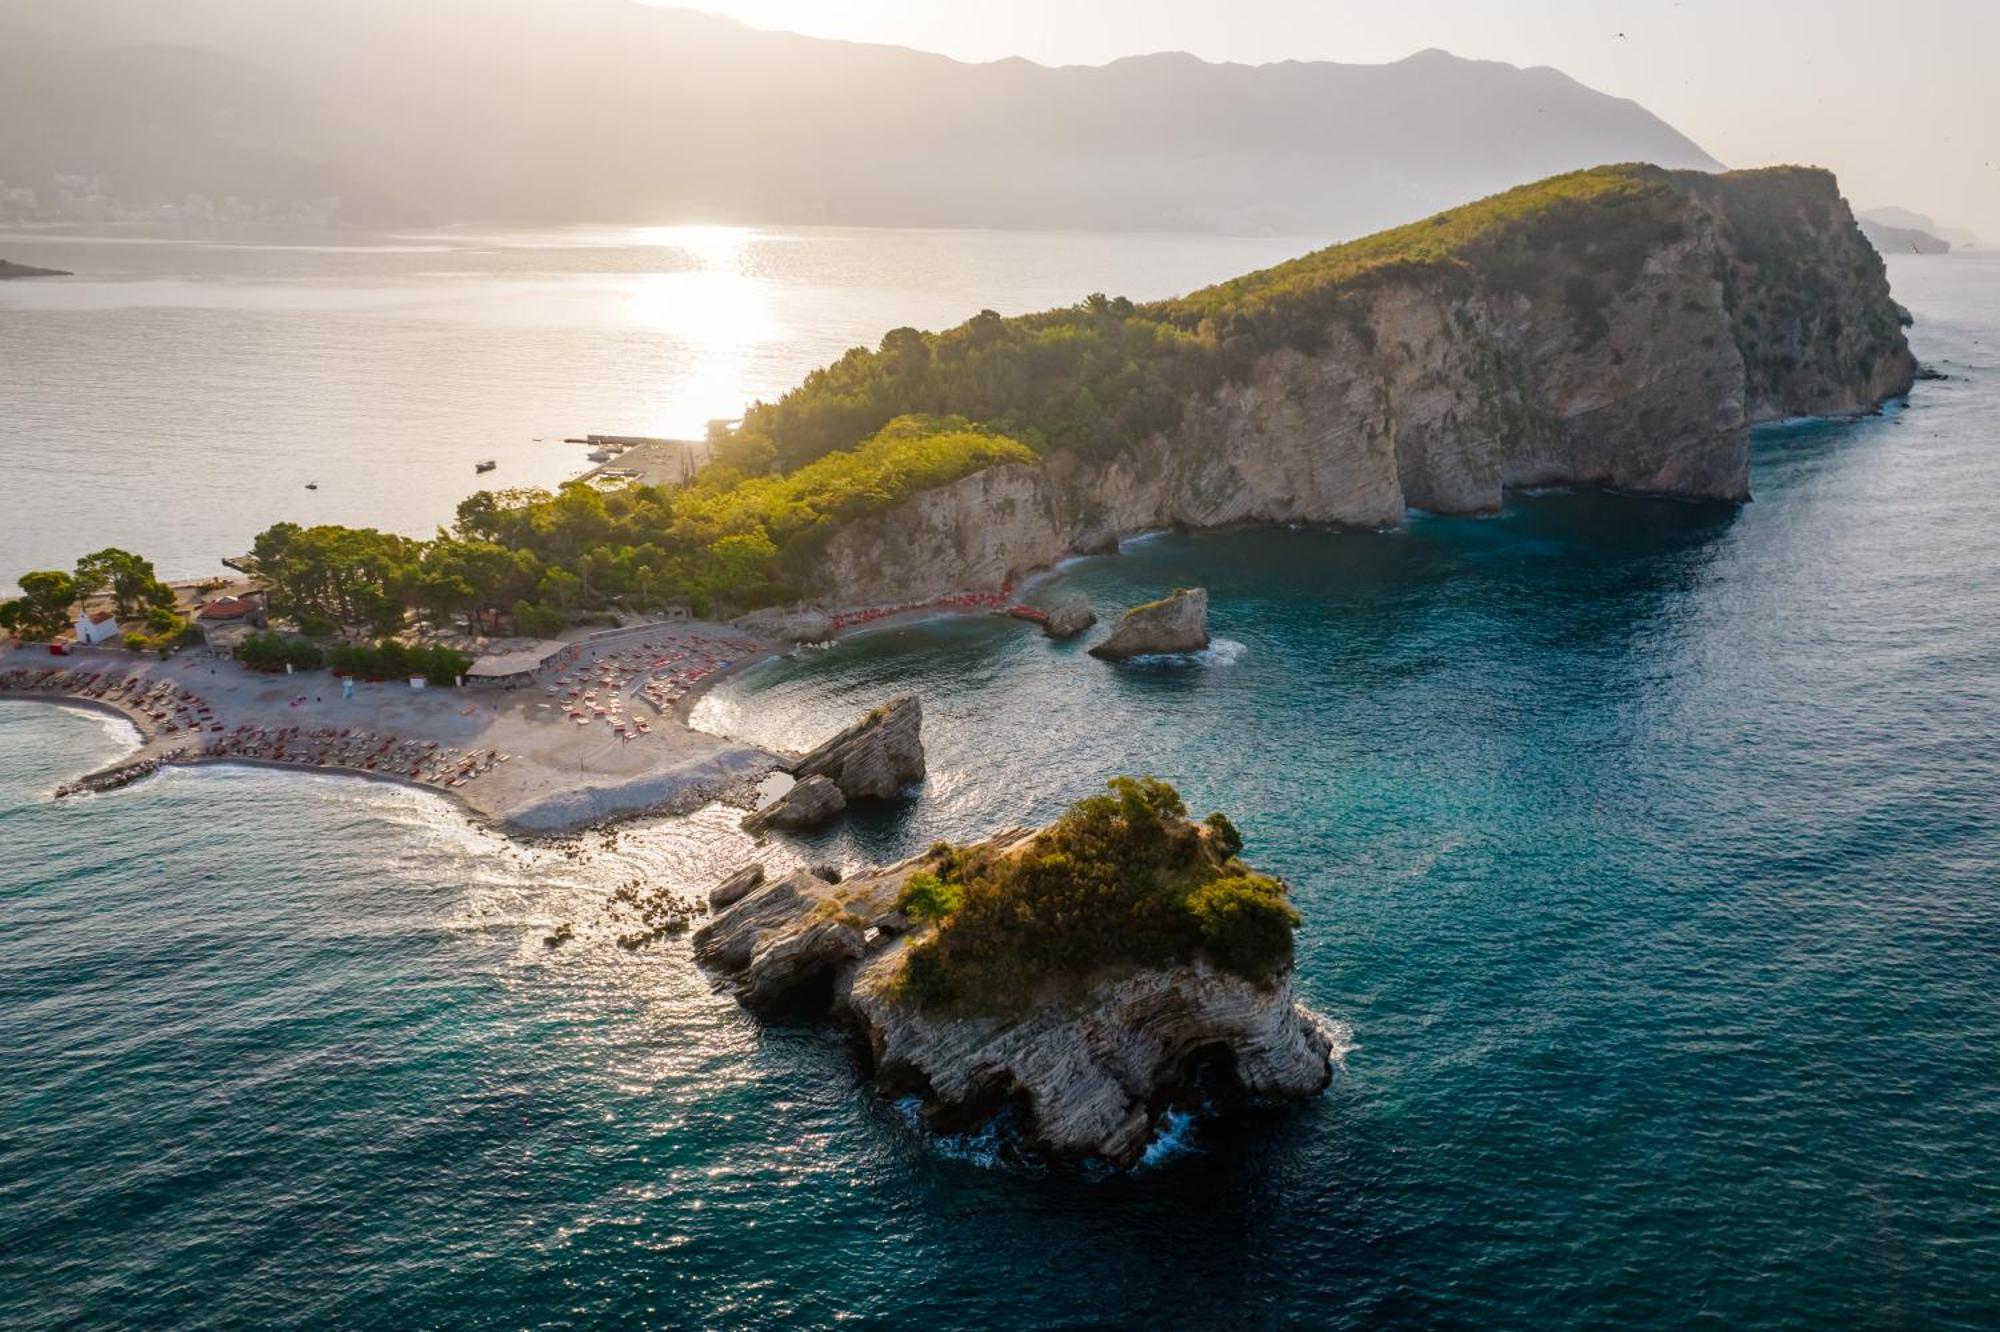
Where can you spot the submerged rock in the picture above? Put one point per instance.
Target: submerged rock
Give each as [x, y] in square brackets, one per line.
[875, 758]
[656, 912]
[1069, 617]
[1177, 623]
[811, 801]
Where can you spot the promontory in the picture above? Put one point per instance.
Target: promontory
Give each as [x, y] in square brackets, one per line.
[1621, 327]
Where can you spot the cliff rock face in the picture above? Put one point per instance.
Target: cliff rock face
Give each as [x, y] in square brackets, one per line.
[978, 533]
[1092, 1071]
[737, 886]
[810, 802]
[1633, 358]
[787, 934]
[873, 759]
[788, 626]
[1177, 623]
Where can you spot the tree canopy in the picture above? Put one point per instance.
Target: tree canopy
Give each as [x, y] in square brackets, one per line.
[43, 608]
[1120, 879]
[49, 596]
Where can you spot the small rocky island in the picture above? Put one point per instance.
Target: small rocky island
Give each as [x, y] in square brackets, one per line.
[1173, 624]
[1086, 972]
[9, 269]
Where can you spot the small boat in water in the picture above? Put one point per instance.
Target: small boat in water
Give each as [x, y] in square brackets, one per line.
[312, 485]
[486, 466]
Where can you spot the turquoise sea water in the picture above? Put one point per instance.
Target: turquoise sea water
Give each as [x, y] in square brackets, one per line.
[1649, 855]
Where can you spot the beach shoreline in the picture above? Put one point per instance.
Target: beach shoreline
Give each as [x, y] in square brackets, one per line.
[532, 774]
[508, 759]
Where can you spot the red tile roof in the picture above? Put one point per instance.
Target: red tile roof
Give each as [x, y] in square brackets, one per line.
[227, 608]
[102, 617]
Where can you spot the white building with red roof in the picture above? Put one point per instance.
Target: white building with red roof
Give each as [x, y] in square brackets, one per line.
[96, 626]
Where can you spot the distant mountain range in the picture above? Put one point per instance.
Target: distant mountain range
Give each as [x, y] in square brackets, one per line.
[1900, 231]
[400, 112]
[1901, 240]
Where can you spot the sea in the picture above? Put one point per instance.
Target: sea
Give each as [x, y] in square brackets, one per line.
[1648, 853]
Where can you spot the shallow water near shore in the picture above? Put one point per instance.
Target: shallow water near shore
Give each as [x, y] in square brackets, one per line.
[1648, 852]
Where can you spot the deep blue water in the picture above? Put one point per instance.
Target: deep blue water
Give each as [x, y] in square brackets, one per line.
[1649, 855]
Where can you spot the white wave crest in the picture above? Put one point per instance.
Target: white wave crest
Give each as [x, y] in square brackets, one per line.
[1219, 652]
[982, 1147]
[1339, 1035]
[1173, 1137]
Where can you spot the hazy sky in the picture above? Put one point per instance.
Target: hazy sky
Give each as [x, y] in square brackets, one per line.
[1901, 97]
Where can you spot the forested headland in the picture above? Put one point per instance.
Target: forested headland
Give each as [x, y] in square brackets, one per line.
[1068, 389]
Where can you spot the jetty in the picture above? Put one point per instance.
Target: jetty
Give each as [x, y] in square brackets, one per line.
[644, 459]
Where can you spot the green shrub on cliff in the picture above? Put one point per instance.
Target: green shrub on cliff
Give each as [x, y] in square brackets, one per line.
[906, 455]
[926, 897]
[1120, 879]
[1222, 835]
[1245, 920]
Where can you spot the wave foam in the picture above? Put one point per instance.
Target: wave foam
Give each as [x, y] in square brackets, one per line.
[984, 1146]
[1219, 652]
[1173, 1138]
[1339, 1035]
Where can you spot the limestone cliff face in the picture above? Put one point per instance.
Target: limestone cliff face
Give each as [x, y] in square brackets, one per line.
[876, 757]
[1808, 296]
[1092, 1070]
[1439, 389]
[978, 533]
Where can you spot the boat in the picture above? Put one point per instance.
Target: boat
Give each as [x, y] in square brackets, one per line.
[486, 466]
[312, 485]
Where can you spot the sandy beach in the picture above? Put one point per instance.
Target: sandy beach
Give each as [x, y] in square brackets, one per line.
[602, 738]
